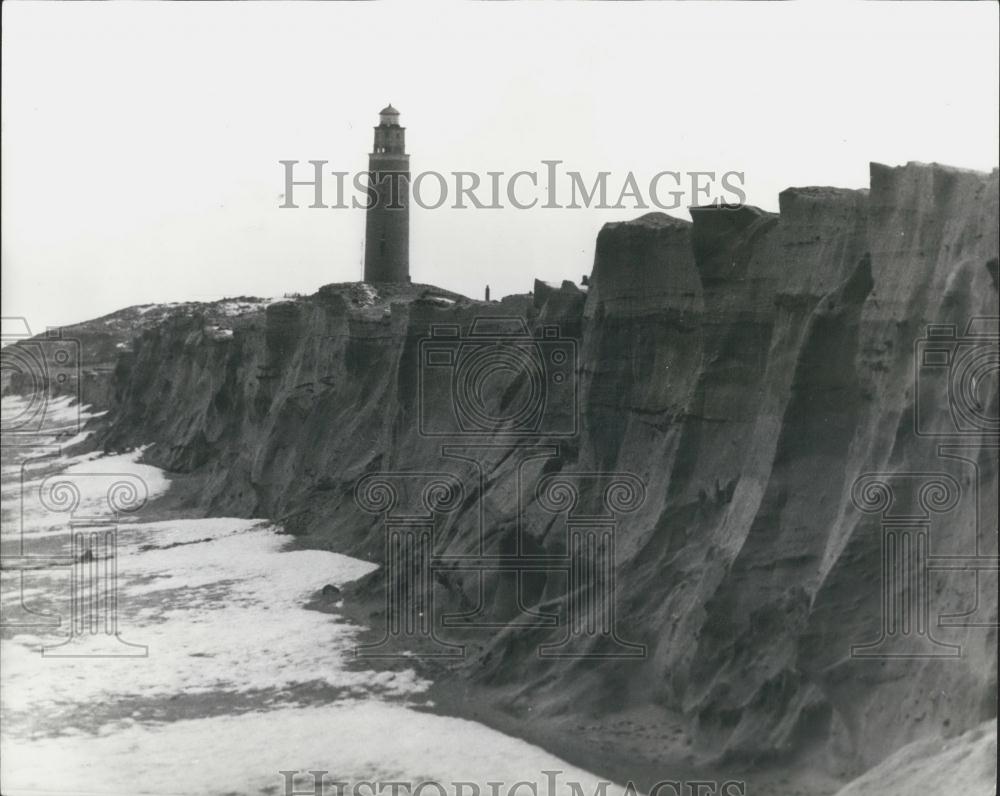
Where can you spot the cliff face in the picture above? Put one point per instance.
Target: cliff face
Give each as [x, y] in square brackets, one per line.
[751, 371]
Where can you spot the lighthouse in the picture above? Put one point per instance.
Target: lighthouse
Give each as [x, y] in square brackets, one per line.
[387, 225]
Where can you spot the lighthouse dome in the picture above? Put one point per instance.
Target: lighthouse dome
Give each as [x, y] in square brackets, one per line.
[388, 115]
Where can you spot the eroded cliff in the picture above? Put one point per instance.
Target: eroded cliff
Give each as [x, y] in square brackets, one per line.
[749, 369]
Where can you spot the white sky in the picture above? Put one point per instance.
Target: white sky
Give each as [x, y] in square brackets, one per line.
[140, 141]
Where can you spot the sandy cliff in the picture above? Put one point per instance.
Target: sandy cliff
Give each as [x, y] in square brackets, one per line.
[747, 369]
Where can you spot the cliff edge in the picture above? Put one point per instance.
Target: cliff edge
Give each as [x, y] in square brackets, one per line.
[760, 377]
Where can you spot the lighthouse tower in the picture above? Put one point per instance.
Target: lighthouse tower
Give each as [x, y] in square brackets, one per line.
[387, 226]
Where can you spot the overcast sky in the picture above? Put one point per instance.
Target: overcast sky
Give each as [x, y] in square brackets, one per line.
[141, 141]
